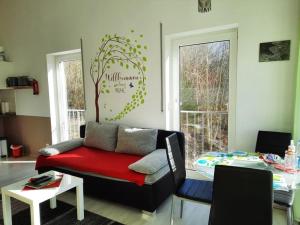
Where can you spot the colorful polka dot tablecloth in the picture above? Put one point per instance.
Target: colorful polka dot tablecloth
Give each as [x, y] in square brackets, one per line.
[206, 163]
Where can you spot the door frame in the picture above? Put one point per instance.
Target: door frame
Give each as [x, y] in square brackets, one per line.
[173, 80]
[57, 97]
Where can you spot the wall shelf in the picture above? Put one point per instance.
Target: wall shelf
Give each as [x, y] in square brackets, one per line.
[12, 114]
[15, 88]
[20, 87]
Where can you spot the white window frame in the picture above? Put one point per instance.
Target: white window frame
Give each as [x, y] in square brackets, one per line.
[58, 97]
[173, 42]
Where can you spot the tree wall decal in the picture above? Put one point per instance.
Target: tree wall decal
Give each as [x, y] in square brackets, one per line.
[128, 54]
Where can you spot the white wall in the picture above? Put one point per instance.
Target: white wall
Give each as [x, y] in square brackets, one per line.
[265, 91]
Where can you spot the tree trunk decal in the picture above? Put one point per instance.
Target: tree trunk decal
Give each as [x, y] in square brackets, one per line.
[127, 54]
[97, 101]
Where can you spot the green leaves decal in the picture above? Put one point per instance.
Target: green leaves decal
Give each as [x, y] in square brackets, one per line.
[127, 53]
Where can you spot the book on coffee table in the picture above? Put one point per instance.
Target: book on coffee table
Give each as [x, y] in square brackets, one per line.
[42, 182]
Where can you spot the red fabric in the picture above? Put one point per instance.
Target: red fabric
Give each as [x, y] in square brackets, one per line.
[86, 159]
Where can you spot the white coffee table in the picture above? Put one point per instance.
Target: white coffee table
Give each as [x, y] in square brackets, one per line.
[35, 197]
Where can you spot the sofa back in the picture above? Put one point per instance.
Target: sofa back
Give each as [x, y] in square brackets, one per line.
[161, 138]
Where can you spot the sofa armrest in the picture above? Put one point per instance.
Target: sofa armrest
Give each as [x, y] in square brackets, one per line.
[61, 147]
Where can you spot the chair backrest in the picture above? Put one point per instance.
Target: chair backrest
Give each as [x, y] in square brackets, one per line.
[241, 196]
[272, 142]
[175, 160]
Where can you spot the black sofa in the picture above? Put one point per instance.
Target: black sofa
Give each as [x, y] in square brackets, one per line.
[146, 197]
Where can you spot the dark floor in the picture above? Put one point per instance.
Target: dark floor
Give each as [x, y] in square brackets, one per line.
[12, 170]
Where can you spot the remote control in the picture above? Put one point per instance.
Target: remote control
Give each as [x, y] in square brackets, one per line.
[41, 180]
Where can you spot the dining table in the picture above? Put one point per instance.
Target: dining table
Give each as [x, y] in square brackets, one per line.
[283, 179]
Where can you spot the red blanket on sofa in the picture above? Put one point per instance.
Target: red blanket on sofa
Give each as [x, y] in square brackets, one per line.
[92, 160]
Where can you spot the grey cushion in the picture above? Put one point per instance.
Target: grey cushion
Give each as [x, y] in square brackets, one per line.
[136, 141]
[150, 163]
[101, 135]
[61, 147]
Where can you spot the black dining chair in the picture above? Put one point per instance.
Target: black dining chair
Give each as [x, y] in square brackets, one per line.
[241, 196]
[272, 142]
[184, 188]
[277, 143]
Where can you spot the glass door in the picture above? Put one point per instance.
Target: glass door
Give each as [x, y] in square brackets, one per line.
[70, 92]
[201, 91]
[74, 91]
[204, 97]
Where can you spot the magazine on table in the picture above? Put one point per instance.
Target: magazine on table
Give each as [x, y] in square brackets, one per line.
[43, 181]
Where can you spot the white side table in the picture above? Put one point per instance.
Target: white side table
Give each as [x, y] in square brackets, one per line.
[35, 197]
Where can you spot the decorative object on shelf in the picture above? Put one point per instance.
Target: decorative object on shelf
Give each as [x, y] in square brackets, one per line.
[204, 6]
[274, 51]
[11, 81]
[18, 81]
[2, 54]
[119, 61]
[23, 82]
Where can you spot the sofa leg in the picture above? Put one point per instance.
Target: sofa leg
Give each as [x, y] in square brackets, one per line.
[149, 213]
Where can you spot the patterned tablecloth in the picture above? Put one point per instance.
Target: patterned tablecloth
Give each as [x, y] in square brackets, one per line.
[282, 180]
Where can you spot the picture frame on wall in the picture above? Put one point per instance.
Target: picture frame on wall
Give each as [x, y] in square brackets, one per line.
[274, 51]
[204, 6]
